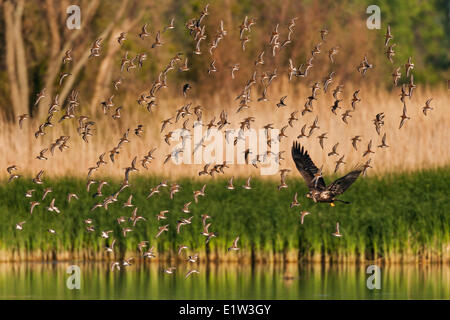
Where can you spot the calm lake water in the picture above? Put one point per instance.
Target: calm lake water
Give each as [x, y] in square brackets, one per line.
[226, 281]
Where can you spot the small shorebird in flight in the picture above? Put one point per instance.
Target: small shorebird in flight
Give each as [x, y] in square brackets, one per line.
[110, 249]
[337, 233]
[234, 246]
[390, 52]
[115, 265]
[62, 76]
[334, 150]
[128, 204]
[409, 66]
[338, 163]
[198, 193]
[259, 59]
[162, 215]
[13, 176]
[22, 117]
[192, 258]
[383, 142]
[46, 192]
[190, 272]
[38, 178]
[184, 67]
[170, 26]
[142, 245]
[181, 248]
[388, 36]
[95, 49]
[346, 115]
[247, 184]
[427, 107]
[369, 150]
[411, 86]
[355, 140]
[89, 183]
[183, 222]
[19, 226]
[333, 51]
[29, 193]
[70, 196]
[230, 184]
[149, 253]
[212, 67]
[105, 234]
[121, 220]
[303, 133]
[67, 56]
[144, 32]
[282, 102]
[158, 42]
[170, 270]
[294, 202]
[185, 208]
[355, 99]
[396, 75]
[125, 231]
[127, 262]
[234, 68]
[122, 37]
[323, 33]
[321, 137]
[335, 106]
[366, 166]
[52, 207]
[204, 218]
[403, 116]
[302, 215]
[39, 96]
[162, 229]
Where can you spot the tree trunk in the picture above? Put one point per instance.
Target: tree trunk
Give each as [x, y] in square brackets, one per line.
[21, 59]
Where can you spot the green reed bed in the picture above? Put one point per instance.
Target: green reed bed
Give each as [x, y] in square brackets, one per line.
[394, 217]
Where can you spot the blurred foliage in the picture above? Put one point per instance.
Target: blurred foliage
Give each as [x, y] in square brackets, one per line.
[420, 29]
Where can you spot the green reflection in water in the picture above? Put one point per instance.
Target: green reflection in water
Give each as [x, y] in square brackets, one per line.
[226, 281]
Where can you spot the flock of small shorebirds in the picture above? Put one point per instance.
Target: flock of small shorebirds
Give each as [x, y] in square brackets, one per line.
[197, 31]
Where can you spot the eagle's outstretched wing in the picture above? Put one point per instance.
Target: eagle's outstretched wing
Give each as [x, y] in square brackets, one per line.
[342, 184]
[306, 167]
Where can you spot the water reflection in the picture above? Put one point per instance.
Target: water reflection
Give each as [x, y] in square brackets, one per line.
[223, 281]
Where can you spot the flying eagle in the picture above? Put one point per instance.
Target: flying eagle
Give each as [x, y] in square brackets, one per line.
[318, 191]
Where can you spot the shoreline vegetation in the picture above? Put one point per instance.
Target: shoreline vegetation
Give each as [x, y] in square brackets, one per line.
[395, 218]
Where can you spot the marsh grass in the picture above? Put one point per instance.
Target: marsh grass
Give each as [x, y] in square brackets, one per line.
[397, 217]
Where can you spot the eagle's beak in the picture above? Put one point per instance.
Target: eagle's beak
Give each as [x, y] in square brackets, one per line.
[332, 204]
